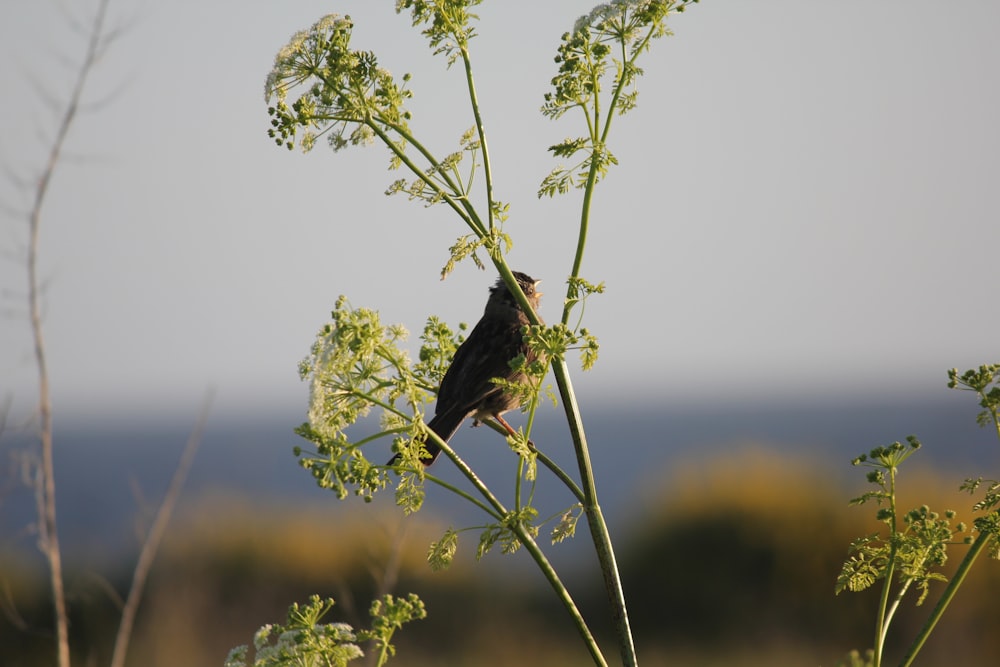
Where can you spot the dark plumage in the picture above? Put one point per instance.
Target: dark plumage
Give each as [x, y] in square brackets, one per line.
[466, 390]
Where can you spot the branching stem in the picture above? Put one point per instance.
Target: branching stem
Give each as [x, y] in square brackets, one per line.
[481, 129]
[881, 622]
[946, 597]
[49, 536]
[595, 518]
[533, 549]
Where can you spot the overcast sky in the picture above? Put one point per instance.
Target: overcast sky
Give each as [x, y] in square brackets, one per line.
[807, 202]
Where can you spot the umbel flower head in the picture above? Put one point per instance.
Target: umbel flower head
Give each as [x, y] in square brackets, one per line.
[345, 94]
[612, 17]
[303, 46]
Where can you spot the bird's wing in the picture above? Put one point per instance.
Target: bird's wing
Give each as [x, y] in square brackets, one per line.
[476, 362]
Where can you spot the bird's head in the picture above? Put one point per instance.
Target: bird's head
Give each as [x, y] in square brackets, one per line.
[529, 286]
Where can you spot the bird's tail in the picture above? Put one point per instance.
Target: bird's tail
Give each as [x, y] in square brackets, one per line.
[444, 424]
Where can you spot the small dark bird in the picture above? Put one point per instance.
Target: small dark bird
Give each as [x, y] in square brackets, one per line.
[466, 390]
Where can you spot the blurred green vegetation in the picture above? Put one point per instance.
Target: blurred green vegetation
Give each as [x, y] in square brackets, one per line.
[726, 562]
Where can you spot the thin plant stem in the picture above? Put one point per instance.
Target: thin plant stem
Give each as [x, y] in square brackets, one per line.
[155, 536]
[465, 494]
[562, 593]
[891, 612]
[517, 484]
[457, 201]
[588, 191]
[383, 655]
[592, 174]
[49, 536]
[956, 581]
[563, 476]
[946, 597]
[881, 624]
[595, 518]
[581, 240]
[474, 99]
[568, 481]
[536, 553]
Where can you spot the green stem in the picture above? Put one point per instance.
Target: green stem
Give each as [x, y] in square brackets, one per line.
[592, 174]
[881, 626]
[457, 201]
[621, 83]
[536, 553]
[464, 494]
[881, 630]
[468, 214]
[893, 607]
[946, 597]
[568, 481]
[378, 436]
[460, 193]
[581, 239]
[563, 476]
[517, 483]
[521, 461]
[553, 578]
[496, 511]
[595, 518]
[376, 401]
[588, 195]
[474, 99]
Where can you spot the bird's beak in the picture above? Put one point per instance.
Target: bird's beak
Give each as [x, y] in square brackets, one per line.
[537, 293]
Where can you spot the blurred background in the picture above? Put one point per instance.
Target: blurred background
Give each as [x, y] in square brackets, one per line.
[797, 245]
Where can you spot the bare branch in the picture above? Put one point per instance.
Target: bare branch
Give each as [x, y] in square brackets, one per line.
[9, 609]
[46, 488]
[155, 535]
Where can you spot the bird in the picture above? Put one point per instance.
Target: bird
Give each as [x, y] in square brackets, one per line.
[467, 389]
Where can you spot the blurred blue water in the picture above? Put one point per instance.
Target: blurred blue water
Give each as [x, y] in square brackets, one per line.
[108, 471]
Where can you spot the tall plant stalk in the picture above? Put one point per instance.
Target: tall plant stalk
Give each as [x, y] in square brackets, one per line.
[49, 534]
[348, 99]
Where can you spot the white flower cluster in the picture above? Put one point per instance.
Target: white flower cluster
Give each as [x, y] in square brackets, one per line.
[287, 646]
[285, 58]
[608, 10]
